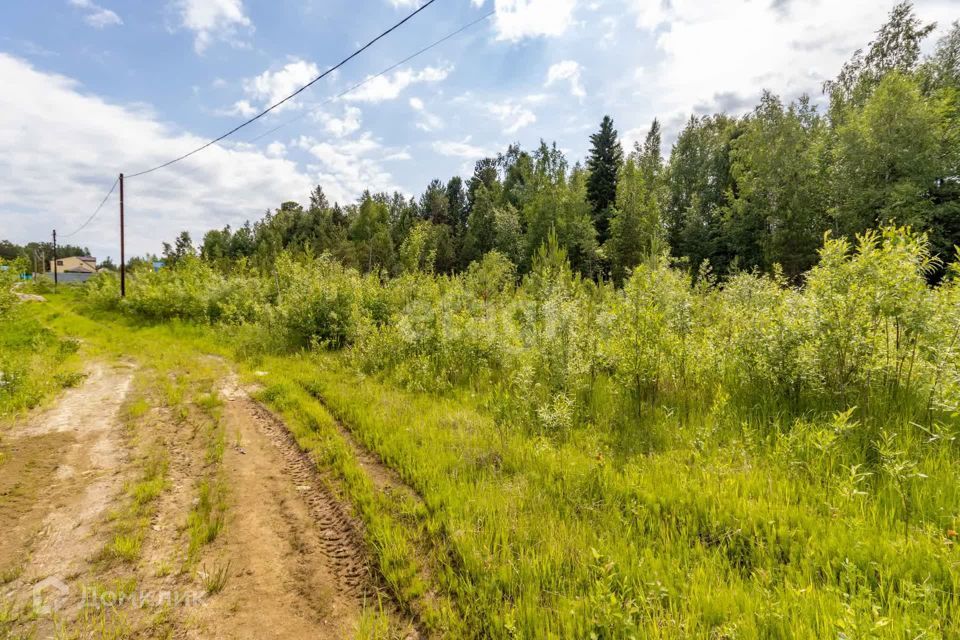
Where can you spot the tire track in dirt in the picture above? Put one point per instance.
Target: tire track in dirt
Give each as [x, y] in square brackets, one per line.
[390, 485]
[298, 566]
[54, 533]
[342, 541]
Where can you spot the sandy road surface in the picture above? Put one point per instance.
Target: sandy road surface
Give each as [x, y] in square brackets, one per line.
[295, 562]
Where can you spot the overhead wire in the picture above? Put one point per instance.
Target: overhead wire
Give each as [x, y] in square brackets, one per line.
[343, 93]
[95, 212]
[378, 75]
[289, 97]
[356, 86]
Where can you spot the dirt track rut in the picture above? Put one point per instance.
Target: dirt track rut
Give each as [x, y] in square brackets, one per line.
[293, 554]
[68, 466]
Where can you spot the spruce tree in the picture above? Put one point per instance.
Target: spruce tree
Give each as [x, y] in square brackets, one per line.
[606, 158]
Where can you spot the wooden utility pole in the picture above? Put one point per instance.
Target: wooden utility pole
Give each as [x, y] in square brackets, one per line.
[56, 271]
[123, 256]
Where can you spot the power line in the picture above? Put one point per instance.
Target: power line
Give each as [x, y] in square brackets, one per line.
[95, 212]
[295, 93]
[356, 86]
[374, 77]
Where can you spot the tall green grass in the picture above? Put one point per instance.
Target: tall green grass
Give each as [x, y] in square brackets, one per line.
[667, 459]
[34, 362]
[539, 538]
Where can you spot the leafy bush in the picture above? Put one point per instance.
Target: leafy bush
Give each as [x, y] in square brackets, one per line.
[559, 351]
[7, 297]
[792, 446]
[317, 303]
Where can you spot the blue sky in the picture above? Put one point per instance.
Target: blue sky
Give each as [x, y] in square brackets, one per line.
[94, 88]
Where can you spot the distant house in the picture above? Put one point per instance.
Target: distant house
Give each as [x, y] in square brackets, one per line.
[74, 268]
[74, 264]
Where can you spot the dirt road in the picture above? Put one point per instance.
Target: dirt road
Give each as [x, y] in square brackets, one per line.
[102, 497]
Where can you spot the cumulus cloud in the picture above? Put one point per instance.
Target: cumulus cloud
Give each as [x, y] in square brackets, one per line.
[212, 20]
[519, 19]
[711, 51]
[568, 70]
[95, 15]
[272, 86]
[460, 149]
[512, 115]
[64, 146]
[241, 108]
[347, 167]
[340, 126]
[390, 86]
[428, 121]
[401, 155]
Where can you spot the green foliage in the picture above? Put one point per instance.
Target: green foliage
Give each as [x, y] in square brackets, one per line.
[192, 290]
[604, 162]
[699, 185]
[636, 229]
[663, 459]
[767, 449]
[883, 172]
[318, 302]
[34, 363]
[776, 215]
[419, 249]
[7, 297]
[370, 232]
[481, 235]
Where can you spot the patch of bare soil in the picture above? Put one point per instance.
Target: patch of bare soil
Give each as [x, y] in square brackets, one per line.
[26, 297]
[293, 555]
[297, 564]
[66, 466]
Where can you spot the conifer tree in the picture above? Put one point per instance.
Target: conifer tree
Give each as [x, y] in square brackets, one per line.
[604, 163]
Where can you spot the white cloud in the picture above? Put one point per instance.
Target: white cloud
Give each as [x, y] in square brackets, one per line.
[514, 116]
[651, 13]
[64, 146]
[460, 149]
[567, 70]
[389, 87]
[272, 86]
[340, 127]
[519, 19]
[428, 121]
[241, 108]
[723, 54]
[348, 167]
[399, 156]
[97, 16]
[214, 20]
[609, 37]
[276, 149]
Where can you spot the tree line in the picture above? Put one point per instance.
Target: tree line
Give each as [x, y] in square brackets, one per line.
[756, 192]
[40, 254]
